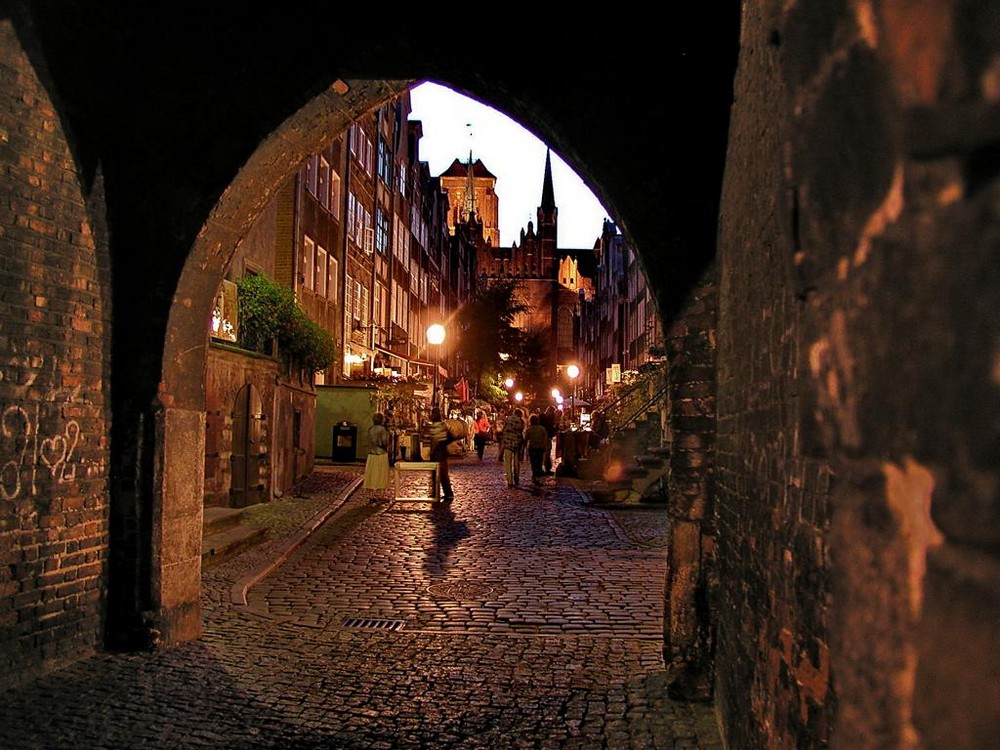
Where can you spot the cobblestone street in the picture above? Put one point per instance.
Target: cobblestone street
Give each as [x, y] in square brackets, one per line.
[507, 619]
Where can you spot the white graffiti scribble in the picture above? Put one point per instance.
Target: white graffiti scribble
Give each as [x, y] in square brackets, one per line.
[24, 446]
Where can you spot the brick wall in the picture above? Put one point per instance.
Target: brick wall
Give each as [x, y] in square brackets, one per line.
[688, 627]
[858, 263]
[53, 384]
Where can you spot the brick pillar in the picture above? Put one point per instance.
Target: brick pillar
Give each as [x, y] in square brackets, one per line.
[688, 627]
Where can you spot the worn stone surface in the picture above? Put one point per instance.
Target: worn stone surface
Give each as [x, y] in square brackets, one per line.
[528, 620]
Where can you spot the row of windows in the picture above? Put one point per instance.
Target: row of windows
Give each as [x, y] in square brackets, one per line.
[400, 306]
[318, 271]
[359, 223]
[401, 243]
[357, 304]
[361, 148]
[323, 183]
[417, 224]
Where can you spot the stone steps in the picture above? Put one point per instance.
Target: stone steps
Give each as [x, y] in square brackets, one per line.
[225, 535]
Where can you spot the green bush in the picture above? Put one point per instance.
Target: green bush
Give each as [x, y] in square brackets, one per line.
[268, 312]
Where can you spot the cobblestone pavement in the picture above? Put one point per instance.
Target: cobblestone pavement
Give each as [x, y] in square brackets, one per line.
[507, 619]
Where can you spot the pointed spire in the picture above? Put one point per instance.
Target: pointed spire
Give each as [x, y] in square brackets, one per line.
[548, 194]
[470, 190]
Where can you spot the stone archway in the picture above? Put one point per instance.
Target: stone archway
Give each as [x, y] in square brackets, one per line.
[179, 460]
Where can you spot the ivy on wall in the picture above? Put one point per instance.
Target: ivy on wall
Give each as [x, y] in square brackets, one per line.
[268, 312]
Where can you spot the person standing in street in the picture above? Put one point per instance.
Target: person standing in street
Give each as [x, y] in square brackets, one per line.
[377, 462]
[470, 431]
[441, 437]
[481, 431]
[512, 445]
[548, 421]
[537, 440]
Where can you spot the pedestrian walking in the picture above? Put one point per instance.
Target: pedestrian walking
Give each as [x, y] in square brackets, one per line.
[377, 462]
[470, 431]
[497, 432]
[512, 444]
[441, 438]
[537, 440]
[548, 421]
[481, 432]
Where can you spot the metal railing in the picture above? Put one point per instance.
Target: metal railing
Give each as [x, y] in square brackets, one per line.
[629, 405]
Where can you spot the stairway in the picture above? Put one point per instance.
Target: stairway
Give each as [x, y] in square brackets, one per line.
[225, 535]
[631, 468]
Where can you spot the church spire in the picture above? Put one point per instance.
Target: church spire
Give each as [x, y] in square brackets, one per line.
[548, 194]
[547, 225]
[470, 190]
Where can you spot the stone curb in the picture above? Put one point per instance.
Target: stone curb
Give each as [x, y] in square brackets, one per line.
[238, 592]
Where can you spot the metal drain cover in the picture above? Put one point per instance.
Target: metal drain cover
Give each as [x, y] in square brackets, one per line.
[373, 624]
[460, 590]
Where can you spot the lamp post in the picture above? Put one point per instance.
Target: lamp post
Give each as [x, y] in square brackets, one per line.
[435, 336]
[574, 372]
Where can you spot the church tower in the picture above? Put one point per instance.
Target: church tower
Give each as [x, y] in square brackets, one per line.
[548, 219]
[471, 189]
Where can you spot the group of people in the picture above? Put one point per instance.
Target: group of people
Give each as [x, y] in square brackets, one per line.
[514, 437]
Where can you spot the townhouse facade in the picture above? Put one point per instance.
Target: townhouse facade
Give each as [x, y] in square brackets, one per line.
[360, 235]
[620, 330]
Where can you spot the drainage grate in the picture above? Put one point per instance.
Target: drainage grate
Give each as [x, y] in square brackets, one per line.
[373, 624]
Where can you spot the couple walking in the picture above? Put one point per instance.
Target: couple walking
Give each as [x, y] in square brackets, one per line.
[515, 437]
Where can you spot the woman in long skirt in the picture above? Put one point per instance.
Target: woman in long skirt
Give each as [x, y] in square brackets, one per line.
[377, 463]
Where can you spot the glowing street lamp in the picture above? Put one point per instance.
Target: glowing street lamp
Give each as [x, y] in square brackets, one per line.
[435, 336]
[509, 382]
[573, 371]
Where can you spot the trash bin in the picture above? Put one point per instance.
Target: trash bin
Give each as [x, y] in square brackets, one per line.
[345, 442]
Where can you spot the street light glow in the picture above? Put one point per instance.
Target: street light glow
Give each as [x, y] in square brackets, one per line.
[574, 372]
[509, 382]
[435, 334]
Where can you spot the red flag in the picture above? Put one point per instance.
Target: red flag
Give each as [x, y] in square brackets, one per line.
[462, 387]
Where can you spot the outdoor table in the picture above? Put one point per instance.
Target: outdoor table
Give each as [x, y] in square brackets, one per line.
[408, 466]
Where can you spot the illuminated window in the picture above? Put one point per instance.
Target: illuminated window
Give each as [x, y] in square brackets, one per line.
[323, 183]
[311, 174]
[321, 272]
[308, 263]
[335, 194]
[225, 311]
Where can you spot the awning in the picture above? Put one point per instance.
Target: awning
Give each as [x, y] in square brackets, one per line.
[403, 357]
